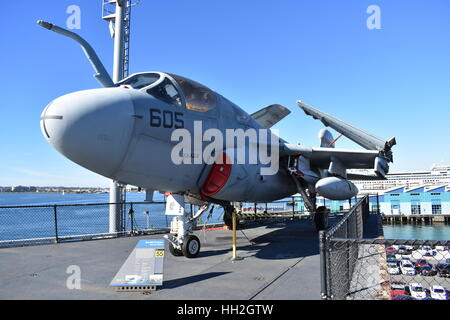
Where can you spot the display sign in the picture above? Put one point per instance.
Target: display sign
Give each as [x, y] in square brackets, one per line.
[175, 205]
[143, 267]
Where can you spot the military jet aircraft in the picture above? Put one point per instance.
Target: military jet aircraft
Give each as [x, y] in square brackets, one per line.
[125, 130]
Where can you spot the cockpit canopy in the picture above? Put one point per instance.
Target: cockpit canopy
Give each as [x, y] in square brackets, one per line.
[174, 90]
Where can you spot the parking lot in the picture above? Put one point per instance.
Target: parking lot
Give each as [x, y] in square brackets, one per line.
[420, 272]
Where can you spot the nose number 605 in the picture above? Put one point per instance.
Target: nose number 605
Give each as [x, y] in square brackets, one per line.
[167, 119]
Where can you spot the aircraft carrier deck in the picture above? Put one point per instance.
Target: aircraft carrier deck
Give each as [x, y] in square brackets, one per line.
[280, 260]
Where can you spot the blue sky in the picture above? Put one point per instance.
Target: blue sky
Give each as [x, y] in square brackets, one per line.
[390, 82]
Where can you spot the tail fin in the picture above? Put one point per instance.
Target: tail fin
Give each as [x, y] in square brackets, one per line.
[326, 139]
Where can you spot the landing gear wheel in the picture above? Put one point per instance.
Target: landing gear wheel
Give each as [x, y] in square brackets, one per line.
[174, 251]
[321, 218]
[191, 246]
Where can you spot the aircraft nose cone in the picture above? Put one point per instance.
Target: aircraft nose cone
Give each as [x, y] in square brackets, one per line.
[92, 127]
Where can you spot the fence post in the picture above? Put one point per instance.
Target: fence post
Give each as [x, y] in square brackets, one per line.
[293, 207]
[56, 223]
[378, 204]
[323, 265]
[348, 272]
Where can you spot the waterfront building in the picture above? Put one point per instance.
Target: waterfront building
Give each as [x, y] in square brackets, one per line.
[421, 200]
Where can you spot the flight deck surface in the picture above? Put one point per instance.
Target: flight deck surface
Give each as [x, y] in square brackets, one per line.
[279, 260]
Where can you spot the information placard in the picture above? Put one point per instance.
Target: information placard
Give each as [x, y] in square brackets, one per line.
[143, 267]
[175, 205]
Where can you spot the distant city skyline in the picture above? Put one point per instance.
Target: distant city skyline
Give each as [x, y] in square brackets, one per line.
[390, 79]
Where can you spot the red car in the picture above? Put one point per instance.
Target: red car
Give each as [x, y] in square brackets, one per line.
[398, 288]
[420, 263]
[390, 250]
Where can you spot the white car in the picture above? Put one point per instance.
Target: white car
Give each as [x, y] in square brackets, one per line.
[417, 291]
[406, 267]
[399, 256]
[393, 268]
[438, 292]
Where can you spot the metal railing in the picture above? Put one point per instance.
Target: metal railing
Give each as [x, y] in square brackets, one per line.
[55, 223]
[354, 268]
[39, 224]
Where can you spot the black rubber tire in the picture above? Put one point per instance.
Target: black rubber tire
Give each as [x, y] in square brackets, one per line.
[321, 218]
[174, 251]
[191, 246]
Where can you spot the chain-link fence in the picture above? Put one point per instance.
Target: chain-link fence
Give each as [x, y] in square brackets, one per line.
[37, 224]
[40, 224]
[354, 268]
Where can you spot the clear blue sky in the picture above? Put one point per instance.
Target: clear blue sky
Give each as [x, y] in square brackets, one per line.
[390, 82]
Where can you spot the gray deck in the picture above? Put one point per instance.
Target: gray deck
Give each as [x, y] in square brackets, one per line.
[281, 261]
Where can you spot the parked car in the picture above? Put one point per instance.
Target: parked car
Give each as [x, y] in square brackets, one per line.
[390, 255]
[438, 292]
[398, 288]
[406, 267]
[391, 259]
[416, 291]
[393, 268]
[420, 263]
[427, 270]
[391, 250]
[404, 251]
[443, 269]
[429, 253]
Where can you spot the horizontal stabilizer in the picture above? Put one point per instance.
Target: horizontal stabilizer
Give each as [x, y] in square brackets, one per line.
[361, 137]
[271, 115]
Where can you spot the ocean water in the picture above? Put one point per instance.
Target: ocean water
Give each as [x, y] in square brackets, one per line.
[30, 199]
[437, 231]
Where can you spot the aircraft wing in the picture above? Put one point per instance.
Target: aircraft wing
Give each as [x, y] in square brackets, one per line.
[269, 116]
[322, 157]
[361, 137]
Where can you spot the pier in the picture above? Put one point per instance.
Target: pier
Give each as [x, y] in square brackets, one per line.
[417, 218]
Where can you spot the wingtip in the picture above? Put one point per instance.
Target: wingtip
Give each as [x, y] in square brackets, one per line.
[45, 24]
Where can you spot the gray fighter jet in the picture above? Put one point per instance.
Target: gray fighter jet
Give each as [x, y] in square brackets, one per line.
[125, 131]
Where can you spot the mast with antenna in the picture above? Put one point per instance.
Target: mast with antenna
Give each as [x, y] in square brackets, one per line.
[118, 14]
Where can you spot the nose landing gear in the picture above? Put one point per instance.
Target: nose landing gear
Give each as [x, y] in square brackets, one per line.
[181, 240]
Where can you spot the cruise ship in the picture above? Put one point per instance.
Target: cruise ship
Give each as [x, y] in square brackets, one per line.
[437, 175]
